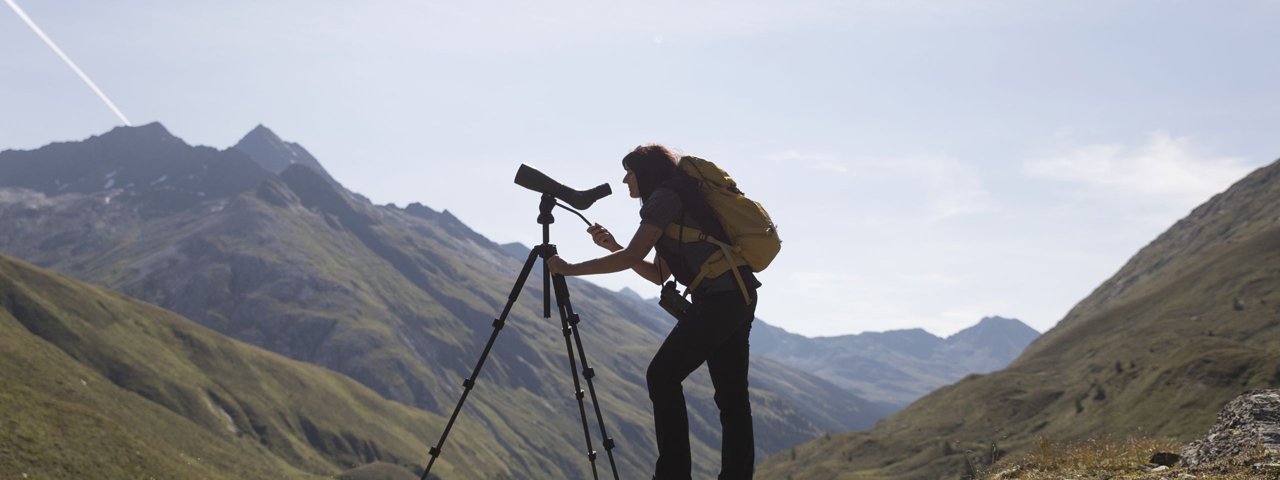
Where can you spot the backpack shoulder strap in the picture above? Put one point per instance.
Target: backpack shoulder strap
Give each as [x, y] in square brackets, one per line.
[734, 263]
[684, 234]
[730, 253]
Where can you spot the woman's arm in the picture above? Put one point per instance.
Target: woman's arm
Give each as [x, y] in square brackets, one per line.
[655, 271]
[649, 270]
[630, 257]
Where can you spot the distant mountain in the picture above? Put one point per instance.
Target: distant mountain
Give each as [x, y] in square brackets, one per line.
[157, 173]
[401, 300]
[275, 155]
[990, 345]
[516, 249]
[898, 367]
[99, 385]
[1187, 324]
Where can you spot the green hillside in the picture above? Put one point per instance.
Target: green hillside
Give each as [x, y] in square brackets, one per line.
[1186, 325]
[98, 385]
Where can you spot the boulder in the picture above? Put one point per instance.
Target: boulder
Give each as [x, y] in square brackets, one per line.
[1166, 459]
[1248, 428]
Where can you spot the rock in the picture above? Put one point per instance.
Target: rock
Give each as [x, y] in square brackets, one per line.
[1008, 474]
[1248, 426]
[1239, 304]
[1167, 459]
[1160, 468]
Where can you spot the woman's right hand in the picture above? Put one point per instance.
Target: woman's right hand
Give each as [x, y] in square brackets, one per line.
[603, 238]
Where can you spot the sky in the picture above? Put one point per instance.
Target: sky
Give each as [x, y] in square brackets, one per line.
[928, 163]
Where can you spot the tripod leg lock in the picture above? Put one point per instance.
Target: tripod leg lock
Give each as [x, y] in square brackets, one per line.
[581, 394]
[498, 323]
[591, 455]
[435, 451]
[589, 373]
[567, 331]
[468, 383]
[574, 319]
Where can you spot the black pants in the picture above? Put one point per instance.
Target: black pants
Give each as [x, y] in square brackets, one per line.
[715, 332]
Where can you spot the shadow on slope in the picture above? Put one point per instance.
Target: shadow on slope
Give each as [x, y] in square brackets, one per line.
[98, 385]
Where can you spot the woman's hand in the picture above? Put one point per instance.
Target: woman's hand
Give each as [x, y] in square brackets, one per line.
[558, 266]
[603, 238]
[621, 259]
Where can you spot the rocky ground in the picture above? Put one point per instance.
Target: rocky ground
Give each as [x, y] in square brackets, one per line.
[1244, 443]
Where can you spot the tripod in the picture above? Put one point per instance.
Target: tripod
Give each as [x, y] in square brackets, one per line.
[569, 327]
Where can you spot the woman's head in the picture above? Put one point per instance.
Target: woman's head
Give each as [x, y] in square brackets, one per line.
[648, 166]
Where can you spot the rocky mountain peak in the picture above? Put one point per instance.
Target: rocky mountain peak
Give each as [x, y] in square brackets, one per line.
[137, 159]
[994, 327]
[275, 155]
[1002, 337]
[421, 211]
[261, 132]
[150, 133]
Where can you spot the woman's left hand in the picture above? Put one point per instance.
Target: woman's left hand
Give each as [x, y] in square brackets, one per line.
[559, 266]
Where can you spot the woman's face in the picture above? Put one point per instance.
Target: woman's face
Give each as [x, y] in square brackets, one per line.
[630, 180]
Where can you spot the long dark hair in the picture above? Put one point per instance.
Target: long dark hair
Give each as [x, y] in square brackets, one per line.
[652, 165]
[656, 166]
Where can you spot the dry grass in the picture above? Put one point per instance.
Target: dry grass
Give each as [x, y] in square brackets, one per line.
[1099, 458]
[1129, 459]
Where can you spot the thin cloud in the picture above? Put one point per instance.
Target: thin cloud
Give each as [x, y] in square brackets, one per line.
[947, 186]
[921, 186]
[1164, 168]
[812, 161]
[855, 302]
[511, 26]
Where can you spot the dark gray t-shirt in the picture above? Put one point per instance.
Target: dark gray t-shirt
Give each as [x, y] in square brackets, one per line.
[664, 207]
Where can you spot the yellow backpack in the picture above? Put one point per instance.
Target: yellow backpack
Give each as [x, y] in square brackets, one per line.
[753, 237]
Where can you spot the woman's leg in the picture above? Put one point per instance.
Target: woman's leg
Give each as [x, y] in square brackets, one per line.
[728, 368]
[689, 344]
[678, 356]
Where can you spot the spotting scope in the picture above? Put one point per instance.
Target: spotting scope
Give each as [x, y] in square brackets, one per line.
[530, 178]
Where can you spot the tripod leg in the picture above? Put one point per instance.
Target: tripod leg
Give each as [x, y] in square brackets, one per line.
[570, 321]
[568, 329]
[471, 381]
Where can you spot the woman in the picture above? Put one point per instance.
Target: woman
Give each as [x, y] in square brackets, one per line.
[718, 324]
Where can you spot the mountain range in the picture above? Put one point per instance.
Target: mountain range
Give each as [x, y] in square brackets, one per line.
[1187, 324]
[258, 243]
[899, 366]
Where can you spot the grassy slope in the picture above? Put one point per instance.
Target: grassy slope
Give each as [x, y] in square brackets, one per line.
[1192, 321]
[98, 385]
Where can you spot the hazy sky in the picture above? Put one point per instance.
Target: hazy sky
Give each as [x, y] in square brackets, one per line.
[929, 163]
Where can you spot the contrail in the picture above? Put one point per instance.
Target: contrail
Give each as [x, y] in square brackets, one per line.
[65, 58]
